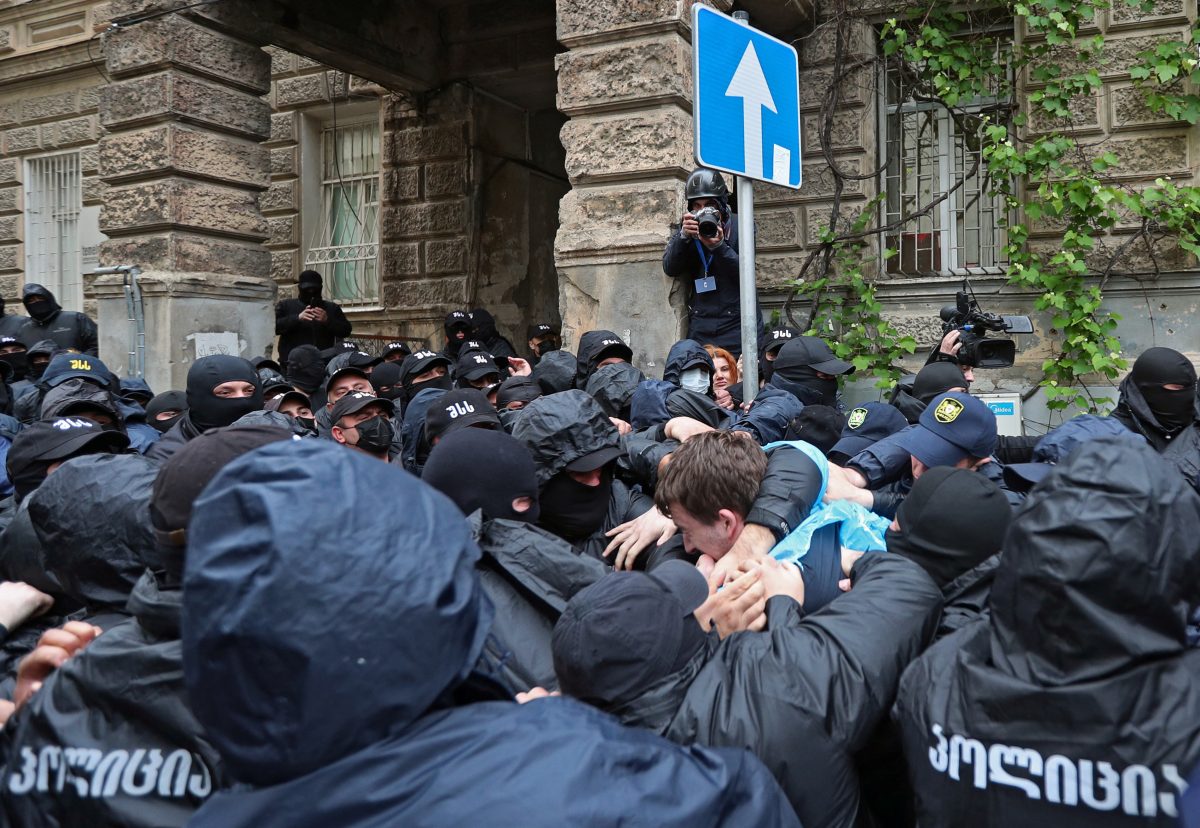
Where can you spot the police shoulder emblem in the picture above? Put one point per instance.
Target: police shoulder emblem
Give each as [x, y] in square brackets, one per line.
[947, 410]
[857, 417]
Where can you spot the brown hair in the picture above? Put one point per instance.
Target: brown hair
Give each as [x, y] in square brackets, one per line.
[714, 352]
[712, 471]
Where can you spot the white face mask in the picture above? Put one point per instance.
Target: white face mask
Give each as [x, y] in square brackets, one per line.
[694, 379]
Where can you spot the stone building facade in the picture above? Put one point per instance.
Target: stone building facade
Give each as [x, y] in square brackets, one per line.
[530, 158]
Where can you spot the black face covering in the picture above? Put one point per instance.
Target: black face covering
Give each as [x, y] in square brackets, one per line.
[483, 469]
[442, 383]
[205, 409]
[806, 386]
[548, 346]
[19, 362]
[36, 370]
[305, 368]
[166, 401]
[375, 435]
[310, 294]
[572, 510]
[385, 379]
[1157, 367]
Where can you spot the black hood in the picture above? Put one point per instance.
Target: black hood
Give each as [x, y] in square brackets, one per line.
[595, 345]
[556, 371]
[613, 385]
[1099, 569]
[45, 310]
[561, 428]
[92, 519]
[205, 409]
[686, 353]
[485, 324]
[63, 399]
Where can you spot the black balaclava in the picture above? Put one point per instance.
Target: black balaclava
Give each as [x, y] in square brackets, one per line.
[41, 311]
[937, 378]
[484, 469]
[305, 368]
[804, 384]
[310, 284]
[166, 401]
[205, 409]
[19, 362]
[572, 510]
[442, 383]
[485, 324]
[385, 379]
[952, 521]
[1157, 367]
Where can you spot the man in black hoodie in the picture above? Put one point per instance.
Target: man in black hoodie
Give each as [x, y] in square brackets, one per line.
[309, 319]
[47, 320]
[220, 389]
[489, 337]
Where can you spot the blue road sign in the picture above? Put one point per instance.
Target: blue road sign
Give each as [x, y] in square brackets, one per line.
[746, 100]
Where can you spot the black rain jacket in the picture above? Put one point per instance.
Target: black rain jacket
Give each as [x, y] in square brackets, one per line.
[343, 726]
[806, 694]
[70, 330]
[1076, 702]
[109, 739]
[529, 575]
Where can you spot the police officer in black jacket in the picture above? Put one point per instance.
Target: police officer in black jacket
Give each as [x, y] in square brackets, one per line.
[309, 319]
[1076, 700]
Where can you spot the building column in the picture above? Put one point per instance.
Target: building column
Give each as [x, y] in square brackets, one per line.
[184, 165]
[626, 84]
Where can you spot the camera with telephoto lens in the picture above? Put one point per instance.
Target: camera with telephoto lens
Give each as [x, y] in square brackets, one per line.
[978, 350]
[709, 220]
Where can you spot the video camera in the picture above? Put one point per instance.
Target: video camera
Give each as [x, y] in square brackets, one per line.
[977, 349]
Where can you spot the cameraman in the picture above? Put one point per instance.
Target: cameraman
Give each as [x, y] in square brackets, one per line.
[709, 259]
[309, 320]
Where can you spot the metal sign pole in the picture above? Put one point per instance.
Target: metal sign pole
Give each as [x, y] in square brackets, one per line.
[748, 288]
[746, 280]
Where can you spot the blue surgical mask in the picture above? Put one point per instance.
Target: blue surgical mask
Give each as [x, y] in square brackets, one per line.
[695, 379]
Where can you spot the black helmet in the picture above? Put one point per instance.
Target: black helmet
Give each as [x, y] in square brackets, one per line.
[706, 183]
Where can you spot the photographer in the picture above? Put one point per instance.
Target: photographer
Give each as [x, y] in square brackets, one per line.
[309, 319]
[705, 250]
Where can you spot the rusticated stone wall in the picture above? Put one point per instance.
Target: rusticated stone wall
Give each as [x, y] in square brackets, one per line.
[49, 102]
[184, 119]
[626, 84]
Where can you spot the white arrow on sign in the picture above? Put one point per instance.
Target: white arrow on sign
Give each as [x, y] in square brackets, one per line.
[750, 84]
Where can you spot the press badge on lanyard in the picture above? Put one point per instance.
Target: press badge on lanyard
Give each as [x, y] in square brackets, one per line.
[706, 283]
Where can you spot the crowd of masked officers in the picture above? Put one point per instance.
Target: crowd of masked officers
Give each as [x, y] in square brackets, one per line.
[474, 585]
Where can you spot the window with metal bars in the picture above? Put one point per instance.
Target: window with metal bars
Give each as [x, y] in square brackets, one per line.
[931, 153]
[53, 205]
[345, 249]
